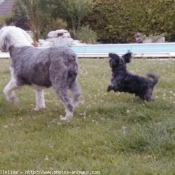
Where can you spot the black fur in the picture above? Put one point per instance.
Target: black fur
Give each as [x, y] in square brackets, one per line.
[124, 81]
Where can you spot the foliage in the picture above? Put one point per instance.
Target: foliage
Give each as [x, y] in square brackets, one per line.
[37, 11]
[118, 20]
[162, 17]
[114, 21]
[86, 35]
[2, 21]
[114, 133]
[6, 20]
[73, 11]
[45, 15]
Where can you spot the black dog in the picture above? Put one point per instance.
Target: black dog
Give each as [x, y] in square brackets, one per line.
[124, 81]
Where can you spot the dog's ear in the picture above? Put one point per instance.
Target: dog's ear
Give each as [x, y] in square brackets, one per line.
[4, 46]
[114, 59]
[113, 55]
[127, 57]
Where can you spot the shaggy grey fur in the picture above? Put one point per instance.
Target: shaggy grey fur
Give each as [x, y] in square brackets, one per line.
[55, 66]
[40, 68]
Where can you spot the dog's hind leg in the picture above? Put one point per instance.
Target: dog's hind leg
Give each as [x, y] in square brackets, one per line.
[76, 92]
[148, 94]
[61, 88]
[61, 82]
[10, 88]
[63, 94]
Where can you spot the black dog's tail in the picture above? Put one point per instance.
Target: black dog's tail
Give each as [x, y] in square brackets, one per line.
[154, 77]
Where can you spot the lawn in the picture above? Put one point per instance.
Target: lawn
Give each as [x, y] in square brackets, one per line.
[110, 134]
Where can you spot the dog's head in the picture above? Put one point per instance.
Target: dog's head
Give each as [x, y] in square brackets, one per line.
[13, 36]
[116, 60]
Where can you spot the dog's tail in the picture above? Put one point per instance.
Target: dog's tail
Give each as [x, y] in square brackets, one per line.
[154, 77]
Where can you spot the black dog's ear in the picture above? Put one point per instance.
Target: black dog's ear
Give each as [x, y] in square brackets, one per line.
[114, 59]
[113, 55]
[127, 57]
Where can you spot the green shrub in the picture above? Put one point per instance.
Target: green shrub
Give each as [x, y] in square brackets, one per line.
[86, 35]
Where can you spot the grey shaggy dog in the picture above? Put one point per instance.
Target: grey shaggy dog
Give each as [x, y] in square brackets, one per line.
[41, 68]
[123, 81]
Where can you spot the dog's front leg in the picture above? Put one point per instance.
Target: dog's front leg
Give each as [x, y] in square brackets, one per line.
[9, 91]
[10, 88]
[40, 101]
[110, 88]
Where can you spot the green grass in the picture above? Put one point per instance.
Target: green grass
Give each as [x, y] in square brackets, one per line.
[114, 134]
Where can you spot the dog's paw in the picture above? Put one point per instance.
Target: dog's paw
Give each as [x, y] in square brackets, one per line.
[14, 100]
[65, 118]
[11, 97]
[109, 88]
[39, 108]
[68, 116]
[148, 99]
